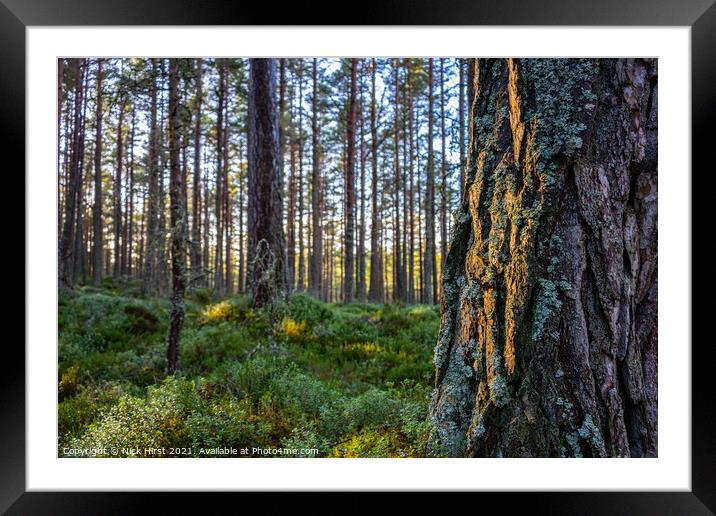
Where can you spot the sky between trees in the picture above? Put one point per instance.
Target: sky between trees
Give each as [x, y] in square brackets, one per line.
[400, 213]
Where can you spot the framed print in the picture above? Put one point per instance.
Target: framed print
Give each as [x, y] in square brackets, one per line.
[416, 253]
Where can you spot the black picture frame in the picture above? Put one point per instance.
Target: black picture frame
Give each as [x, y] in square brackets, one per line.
[700, 15]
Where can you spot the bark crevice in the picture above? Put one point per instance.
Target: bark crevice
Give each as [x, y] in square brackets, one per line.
[547, 344]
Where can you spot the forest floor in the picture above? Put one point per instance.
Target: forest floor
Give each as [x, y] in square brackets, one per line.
[318, 379]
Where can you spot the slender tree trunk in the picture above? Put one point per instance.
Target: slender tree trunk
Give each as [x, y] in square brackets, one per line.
[178, 226]
[315, 275]
[140, 257]
[218, 255]
[301, 246]
[443, 170]
[411, 207]
[461, 119]
[164, 277]
[421, 258]
[151, 254]
[228, 219]
[331, 264]
[130, 217]
[196, 255]
[397, 260]
[60, 157]
[240, 286]
[291, 219]
[125, 215]
[79, 270]
[73, 185]
[548, 340]
[377, 284]
[97, 208]
[360, 284]
[430, 295]
[206, 226]
[266, 246]
[471, 77]
[282, 114]
[350, 190]
[118, 192]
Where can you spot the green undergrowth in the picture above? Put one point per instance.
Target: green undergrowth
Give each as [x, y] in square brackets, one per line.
[332, 380]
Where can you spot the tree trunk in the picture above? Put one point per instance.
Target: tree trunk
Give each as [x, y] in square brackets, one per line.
[60, 157]
[228, 219]
[177, 209]
[548, 338]
[118, 192]
[360, 282]
[218, 252]
[377, 285]
[151, 251]
[67, 249]
[397, 259]
[97, 208]
[291, 219]
[240, 286]
[130, 215]
[430, 295]
[164, 274]
[411, 191]
[315, 276]
[443, 170]
[471, 67]
[350, 192]
[301, 278]
[196, 256]
[461, 119]
[282, 114]
[266, 247]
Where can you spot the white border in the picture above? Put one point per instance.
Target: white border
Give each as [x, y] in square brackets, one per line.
[671, 470]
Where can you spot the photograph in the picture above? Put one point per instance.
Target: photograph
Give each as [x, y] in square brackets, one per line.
[356, 257]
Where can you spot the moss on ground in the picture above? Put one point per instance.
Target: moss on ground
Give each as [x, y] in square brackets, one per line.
[345, 380]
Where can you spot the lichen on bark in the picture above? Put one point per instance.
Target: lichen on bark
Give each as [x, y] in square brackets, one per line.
[548, 336]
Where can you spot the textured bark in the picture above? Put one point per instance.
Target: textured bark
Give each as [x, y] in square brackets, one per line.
[548, 338]
[177, 209]
[316, 265]
[266, 246]
[350, 192]
[97, 208]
